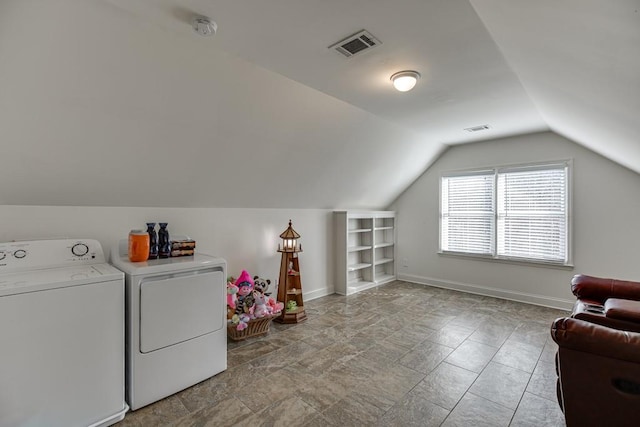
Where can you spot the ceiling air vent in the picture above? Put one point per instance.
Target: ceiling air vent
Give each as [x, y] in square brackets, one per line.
[478, 128]
[356, 43]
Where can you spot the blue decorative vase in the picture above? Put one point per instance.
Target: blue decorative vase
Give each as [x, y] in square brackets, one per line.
[153, 240]
[164, 245]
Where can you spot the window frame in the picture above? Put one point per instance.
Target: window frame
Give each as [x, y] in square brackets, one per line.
[567, 164]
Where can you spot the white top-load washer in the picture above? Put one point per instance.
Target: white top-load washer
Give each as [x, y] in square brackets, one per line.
[175, 323]
[61, 335]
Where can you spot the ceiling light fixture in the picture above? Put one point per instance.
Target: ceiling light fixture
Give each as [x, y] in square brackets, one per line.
[404, 81]
[204, 26]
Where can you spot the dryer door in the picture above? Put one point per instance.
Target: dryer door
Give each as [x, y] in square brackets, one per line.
[179, 307]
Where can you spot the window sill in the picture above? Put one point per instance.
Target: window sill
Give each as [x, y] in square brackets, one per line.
[523, 262]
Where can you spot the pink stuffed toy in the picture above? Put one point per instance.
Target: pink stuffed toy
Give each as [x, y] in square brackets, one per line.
[276, 307]
[261, 308]
[245, 299]
[243, 322]
[232, 290]
[244, 284]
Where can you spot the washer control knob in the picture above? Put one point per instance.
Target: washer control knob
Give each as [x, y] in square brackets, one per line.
[80, 249]
[20, 253]
[3, 255]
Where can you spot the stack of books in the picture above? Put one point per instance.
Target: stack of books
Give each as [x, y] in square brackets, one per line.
[183, 247]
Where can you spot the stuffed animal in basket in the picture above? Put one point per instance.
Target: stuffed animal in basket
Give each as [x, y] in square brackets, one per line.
[249, 305]
[245, 288]
[261, 309]
[241, 321]
[232, 297]
[261, 285]
[276, 307]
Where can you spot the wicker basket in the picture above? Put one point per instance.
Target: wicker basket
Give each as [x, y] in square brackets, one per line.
[254, 328]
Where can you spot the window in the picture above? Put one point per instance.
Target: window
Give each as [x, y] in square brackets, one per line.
[468, 213]
[518, 212]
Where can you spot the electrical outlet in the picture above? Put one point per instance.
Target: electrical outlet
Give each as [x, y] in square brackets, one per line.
[405, 262]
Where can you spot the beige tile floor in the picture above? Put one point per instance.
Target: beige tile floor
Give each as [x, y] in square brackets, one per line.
[398, 355]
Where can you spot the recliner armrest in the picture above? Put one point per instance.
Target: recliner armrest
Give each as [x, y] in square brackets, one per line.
[588, 337]
[599, 289]
[622, 309]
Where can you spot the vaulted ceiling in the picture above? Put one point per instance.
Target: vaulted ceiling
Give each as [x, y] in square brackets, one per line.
[120, 103]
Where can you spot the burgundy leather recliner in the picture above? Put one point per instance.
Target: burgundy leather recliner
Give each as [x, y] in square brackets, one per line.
[598, 360]
[607, 302]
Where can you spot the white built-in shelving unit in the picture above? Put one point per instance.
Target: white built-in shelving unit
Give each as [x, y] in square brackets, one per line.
[365, 249]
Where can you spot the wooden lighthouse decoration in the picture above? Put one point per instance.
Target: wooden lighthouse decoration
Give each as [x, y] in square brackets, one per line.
[289, 284]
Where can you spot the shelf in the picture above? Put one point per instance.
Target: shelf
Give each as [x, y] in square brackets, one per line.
[384, 245]
[360, 230]
[383, 278]
[360, 285]
[354, 267]
[358, 248]
[296, 316]
[290, 289]
[365, 243]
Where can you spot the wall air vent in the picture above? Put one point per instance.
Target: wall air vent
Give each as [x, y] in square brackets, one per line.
[356, 43]
[478, 128]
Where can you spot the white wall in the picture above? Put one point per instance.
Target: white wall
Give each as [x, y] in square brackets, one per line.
[246, 238]
[606, 210]
[98, 99]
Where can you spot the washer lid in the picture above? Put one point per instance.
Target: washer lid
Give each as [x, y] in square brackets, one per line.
[52, 278]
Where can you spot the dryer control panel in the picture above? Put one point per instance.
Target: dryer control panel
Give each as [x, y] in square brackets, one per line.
[37, 254]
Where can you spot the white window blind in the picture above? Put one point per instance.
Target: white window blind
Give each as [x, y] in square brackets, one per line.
[468, 213]
[532, 214]
[507, 213]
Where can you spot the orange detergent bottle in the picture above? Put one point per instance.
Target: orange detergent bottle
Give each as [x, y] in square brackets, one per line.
[138, 246]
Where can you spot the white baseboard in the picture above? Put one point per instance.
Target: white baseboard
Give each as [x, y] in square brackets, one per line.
[542, 300]
[308, 296]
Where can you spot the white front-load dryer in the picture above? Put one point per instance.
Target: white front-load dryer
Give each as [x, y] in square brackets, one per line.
[175, 323]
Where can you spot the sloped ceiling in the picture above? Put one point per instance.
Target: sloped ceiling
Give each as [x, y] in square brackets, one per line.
[119, 103]
[579, 62]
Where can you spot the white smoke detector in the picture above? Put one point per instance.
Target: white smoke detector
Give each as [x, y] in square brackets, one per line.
[204, 26]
